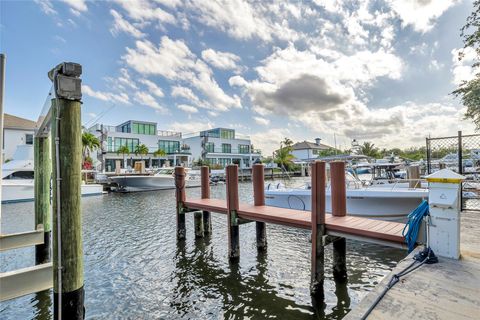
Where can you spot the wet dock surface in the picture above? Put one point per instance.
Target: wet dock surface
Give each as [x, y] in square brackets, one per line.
[449, 289]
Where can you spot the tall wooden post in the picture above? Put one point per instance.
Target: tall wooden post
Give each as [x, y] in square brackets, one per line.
[339, 209]
[318, 229]
[43, 173]
[205, 180]
[180, 201]
[258, 177]
[232, 209]
[66, 133]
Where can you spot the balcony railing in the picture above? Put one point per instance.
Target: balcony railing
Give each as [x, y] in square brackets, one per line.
[232, 151]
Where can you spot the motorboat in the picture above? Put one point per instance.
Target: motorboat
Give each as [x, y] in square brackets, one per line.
[160, 179]
[365, 201]
[18, 178]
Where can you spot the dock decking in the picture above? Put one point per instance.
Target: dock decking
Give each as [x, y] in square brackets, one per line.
[449, 289]
[348, 225]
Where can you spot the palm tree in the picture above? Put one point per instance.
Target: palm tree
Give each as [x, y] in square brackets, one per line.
[369, 149]
[160, 153]
[124, 150]
[141, 150]
[287, 142]
[89, 143]
[283, 157]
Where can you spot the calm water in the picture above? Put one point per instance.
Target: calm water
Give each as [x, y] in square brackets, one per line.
[135, 268]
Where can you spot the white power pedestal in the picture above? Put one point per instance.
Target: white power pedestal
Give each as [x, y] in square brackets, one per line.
[444, 201]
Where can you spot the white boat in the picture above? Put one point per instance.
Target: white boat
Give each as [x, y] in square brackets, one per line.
[18, 178]
[161, 179]
[373, 202]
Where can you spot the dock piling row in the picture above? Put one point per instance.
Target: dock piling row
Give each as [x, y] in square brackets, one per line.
[232, 210]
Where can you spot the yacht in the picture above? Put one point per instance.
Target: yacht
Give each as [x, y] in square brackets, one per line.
[18, 178]
[366, 201]
[161, 179]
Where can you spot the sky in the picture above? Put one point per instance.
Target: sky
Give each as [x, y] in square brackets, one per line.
[379, 71]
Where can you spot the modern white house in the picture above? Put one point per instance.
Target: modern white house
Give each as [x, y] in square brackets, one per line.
[16, 131]
[308, 151]
[222, 146]
[133, 133]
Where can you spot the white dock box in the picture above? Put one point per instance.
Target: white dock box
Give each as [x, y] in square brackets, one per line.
[444, 206]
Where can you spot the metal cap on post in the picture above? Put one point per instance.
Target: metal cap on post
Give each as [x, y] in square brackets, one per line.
[338, 188]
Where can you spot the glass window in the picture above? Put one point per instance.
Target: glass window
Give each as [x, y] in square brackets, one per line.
[29, 138]
[110, 147]
[227, 134]
[135, 127]
[169, 146]
[152, 129]
[243, 148]
[210, 147]
[226, 148]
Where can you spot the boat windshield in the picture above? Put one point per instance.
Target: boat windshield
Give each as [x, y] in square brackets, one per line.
[20, 175]
[165, 171]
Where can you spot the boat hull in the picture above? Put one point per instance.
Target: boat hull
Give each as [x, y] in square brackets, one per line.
[147, 183]
[376, 204]
[22, 191]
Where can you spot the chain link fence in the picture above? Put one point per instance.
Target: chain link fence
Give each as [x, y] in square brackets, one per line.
[461, 154]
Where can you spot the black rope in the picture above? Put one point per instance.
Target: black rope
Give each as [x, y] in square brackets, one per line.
[424, 257]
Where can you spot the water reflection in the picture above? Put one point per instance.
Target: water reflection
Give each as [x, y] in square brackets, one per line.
[42, 304]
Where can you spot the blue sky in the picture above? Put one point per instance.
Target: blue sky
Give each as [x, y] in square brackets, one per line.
[372, 70]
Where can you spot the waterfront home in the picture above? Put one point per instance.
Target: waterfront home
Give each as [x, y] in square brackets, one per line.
[221, 146]
[308, 151]
[133, 133]
[16, 132]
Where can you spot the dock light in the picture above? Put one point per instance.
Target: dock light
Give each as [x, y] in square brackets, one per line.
[66, 80]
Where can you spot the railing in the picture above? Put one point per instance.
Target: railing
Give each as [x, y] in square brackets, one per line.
[232, 151]
[167, 133]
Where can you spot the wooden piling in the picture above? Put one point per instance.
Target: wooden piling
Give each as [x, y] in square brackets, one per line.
[198, 224]
[180, 201]
[258, 178]
[413, 175]
[205, 181]
[43, 174]
[68, 287]
[318, 229]
[339, 209]
[232, 209]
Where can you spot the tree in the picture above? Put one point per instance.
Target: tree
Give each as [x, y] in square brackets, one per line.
[287, 142]
[469, 91]
[160, 153]
[89, 143]
[283, 157]
[124, 150]
[368, 149]
[141, 150]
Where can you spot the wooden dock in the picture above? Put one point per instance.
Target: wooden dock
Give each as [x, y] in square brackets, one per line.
[447, 290]
[326, 229]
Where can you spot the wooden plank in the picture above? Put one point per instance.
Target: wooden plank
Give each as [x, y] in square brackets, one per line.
[21, 239]
[357, 227]
[20, 282]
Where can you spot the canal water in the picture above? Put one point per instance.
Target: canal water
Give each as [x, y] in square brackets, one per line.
[136, 269]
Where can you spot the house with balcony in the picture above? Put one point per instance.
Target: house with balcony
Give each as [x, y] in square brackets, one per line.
[133, 133]
[222, 146]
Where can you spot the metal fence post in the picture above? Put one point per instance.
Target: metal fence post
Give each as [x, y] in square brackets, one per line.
[429, 169]
[460, 160]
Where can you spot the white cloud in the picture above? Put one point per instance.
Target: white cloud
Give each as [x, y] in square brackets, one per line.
[152, 87]
[148, 100]
[122, 25]
[46, 6]
[462, 69]
[420, 14]
[261, 121]
[78, 5]
[187, 108]
[237, 81]
[191, 127]
[142, 10]
[105, 96]
[221, 60]
[173, 60]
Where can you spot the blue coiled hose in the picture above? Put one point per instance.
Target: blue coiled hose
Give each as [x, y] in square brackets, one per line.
[410, 231]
